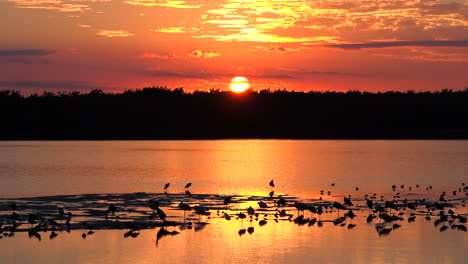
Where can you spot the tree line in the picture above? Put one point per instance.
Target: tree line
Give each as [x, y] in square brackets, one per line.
[162, 113]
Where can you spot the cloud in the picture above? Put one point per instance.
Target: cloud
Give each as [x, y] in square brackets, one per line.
[114, 33]
[163, 3]
[186, 75]
[176, 30]
[25, 52]
[211, 54]
[151, 55]
[276, 49]
[54, 5]
[271, 76]
[395, 44]
[24, 61]
[201, 54]
[47, 84]
[170, 30]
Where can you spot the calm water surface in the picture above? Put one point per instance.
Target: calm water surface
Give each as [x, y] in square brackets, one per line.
[226, 166]
[301, 168]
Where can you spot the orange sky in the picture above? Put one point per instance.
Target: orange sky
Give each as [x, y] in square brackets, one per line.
[305, 45]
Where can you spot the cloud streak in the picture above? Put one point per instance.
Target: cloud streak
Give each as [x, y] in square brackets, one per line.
[114, 33]
[396, 44]
[199, 75]
[47, 84]
[25, 52]
[202, 54]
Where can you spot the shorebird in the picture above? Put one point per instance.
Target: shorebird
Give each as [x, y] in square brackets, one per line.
[200, 210]
[300, 207]
[319, 212]
[226, 201]
[161, 214]
[262, 205]
[339, 206]
[153, 204]
[184, 207]
[165, 187]
[272, 185]
[187, 186]
[53, 235]
[281, 202]
[250, 211]
[347, 201]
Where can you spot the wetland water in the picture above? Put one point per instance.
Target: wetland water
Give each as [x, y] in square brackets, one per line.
[301, 169]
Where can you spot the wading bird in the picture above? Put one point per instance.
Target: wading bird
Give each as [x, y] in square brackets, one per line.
[165, 187]
[272, 184]
[339, 206]
[184, 207]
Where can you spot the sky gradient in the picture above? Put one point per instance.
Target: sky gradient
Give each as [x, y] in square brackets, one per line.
[302, 45]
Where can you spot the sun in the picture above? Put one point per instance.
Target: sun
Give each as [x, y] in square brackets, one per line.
[239, 84]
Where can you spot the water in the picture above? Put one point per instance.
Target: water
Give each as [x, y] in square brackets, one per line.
[226, 166]
[299, 168]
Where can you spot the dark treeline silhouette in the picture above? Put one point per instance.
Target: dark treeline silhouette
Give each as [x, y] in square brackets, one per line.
[161, 113]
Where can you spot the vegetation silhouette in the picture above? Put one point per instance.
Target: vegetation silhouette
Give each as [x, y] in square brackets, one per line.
[162, 113]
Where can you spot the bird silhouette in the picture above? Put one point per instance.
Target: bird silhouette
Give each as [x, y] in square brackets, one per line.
[347, 201]
[300, 207]
[226, 201]
[161, 214]
[272, 183]
[200, 210]
[339, 206]
[165, 187]
[53, 235]
[250, 211]
[184, 207]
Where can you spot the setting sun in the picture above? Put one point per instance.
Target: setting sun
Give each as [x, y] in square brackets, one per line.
[239, 84]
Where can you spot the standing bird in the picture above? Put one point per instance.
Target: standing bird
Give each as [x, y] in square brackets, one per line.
[272, 183]
[165, 187]
[339, 206]
[161, 214]
[347, 201]
[187, 186]
[200, 210]
[153, 204]
[262, 205]
[250, 211]
[185, 207]
[319, 212]
[227, 200]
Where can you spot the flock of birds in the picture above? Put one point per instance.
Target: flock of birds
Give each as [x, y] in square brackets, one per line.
[128, 212]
